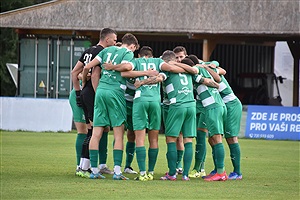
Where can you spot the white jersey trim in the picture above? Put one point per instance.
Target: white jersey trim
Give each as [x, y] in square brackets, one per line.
[123, 87]
[208, 101]
[169, 88]
[172, 100]
[222, 86]
[229, 97]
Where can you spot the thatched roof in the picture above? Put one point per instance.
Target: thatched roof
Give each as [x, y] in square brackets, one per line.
[251, 17]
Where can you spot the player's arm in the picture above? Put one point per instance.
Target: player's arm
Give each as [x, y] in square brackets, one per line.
[187, 68]
[74, 73]
[151, 80]
[221, 71]
[76, 76]
[134, 74]
[218, 69]
[87, 68]
[175, 67]
[206, 81]
[216, 76]
[95, 77]
[119, 67]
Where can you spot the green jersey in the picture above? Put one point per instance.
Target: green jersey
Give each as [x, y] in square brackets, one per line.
[179, 88]
[130, 89]
[209, 97]
[111, 79]
[147, 92]
[225, 91]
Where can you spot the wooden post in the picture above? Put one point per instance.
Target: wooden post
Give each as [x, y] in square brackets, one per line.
[208, 47]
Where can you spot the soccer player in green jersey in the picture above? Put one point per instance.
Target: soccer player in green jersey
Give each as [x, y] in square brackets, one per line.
[200, 150]
[129, 96]
[110, 104]
[85, 99]
[181, 118]
[180, 53]
[215, 115]
[146, 110]
[232, 125]
[181, 115]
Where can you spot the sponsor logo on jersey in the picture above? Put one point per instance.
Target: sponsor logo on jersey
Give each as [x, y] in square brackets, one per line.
[184, 90]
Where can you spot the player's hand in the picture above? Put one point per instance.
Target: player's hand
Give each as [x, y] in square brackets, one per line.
[152, 72]
[210, 83]
[137, 83]
[78, 102]
[108, 66]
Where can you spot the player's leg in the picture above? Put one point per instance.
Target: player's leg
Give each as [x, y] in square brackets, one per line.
[116, 104]
[215, 118]
[130, 145]
[232, 129]
[100, 121]
[200, 149]
[79, 121]
[189, 132]
[103, 152]
[94, 151]
[139, 118]
[130, 150]
[180, 151]
[118, 152]
[174, 123]
[154, 115]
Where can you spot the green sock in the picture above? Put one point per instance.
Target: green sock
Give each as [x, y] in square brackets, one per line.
[187, 158]
[103, 148]
[78, 146]
[220, 157]
[94, 158]
[130, 149]
[172, 157]
[214, 157]
[152, 156]
[200, 152]
[235, 155]
[141, 157]
[118, 155]
[179, 158]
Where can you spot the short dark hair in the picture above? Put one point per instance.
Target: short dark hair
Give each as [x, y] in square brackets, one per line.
[105, 32]
[168, 55]
[130, 39]
[194, 58]
[180, 49]
[146, 51]
[188, 61]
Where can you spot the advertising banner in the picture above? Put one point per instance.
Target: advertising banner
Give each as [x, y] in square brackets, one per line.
[273, 122]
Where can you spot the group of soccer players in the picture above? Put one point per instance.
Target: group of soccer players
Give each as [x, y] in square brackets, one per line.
[124, 92]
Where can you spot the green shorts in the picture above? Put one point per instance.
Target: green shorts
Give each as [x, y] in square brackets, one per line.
[129, 124]
[146, 115]
[164, 111]
[78, 114]
[200, 118]
[215, 120]
[181, 120]
[109, 108]
[233, 119]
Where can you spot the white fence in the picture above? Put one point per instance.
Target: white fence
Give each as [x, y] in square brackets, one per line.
[29, 114]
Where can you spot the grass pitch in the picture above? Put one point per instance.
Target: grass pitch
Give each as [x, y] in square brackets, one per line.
[42, 166]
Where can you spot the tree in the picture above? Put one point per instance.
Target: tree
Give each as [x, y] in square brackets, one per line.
[9, 44]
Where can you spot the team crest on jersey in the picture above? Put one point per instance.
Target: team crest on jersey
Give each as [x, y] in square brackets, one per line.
[184, 90]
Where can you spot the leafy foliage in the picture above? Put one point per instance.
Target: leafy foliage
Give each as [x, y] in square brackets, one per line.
[9, 45]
